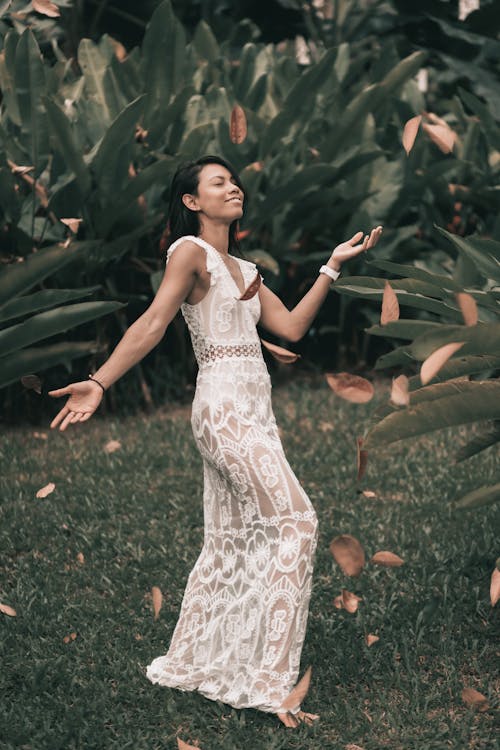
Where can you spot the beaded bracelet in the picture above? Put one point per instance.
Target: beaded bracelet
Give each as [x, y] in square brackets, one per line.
[98, 383]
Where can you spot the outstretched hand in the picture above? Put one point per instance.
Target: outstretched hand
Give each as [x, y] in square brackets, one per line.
[84, 398]
[350, 249]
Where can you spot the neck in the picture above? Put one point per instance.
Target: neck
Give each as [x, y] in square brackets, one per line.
[216, 235]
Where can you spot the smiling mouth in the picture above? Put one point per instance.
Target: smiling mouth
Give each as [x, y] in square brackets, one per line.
[230, 200]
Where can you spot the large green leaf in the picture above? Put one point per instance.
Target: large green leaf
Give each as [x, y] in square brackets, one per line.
[50, 323]
[41, 301]
[36, 359]
[483, 338]
[402, 329]
[467, 402]
[481, 496]
[65, 143]
[94, 64]
[30, 85]
[483, 252]
[460, 366]
[480, 442]
[17, 278]
[414, 272]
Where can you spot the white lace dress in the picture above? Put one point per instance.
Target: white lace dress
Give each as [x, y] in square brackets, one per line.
[244, 612]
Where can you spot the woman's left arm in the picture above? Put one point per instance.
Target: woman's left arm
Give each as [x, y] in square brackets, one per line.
[293, 324]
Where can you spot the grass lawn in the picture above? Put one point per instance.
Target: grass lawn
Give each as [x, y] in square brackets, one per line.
[136, 516]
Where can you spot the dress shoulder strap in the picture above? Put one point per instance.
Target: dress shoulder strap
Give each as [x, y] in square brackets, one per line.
[213, 266]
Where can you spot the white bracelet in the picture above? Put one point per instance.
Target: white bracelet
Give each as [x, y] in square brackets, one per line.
[331, 272]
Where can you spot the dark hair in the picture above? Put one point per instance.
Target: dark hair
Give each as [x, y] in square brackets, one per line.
[181, 220]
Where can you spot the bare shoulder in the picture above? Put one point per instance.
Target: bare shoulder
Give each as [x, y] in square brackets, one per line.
[187, 253]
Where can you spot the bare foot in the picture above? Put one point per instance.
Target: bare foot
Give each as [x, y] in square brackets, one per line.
[293, 720]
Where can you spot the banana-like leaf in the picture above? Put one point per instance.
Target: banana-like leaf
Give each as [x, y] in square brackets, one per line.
[37, 359]
[413, 272]
[41, 301]
[50, 323]
[479, 443]
[110, 163]
[205, 43]
[17, 278]
[458, 367]
[481, 496]
[30, 85]
[93, 63]
[246, 71]
[403, 329]
[9, 198]
[398, 357]
[484, 253]
[7, 78]
[263, 259]
[468, 402]
[65, 144]
[483, 338]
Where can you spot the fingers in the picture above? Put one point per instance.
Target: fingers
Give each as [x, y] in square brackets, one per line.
[86, 416]
[57, 419]
[356, 237]
[67, 420]
[59, 392]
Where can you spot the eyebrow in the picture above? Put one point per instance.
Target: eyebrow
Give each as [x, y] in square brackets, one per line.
[220, 177]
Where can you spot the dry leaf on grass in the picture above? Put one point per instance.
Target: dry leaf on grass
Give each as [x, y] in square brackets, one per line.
[348, 554]
[70, 637]
[46, 7]
[326, 426]
[371, 639]
[369, 493]
[468, 307]
[112, 446]
[32, 383]
[389, 559]
[410, 133]
[475, 699]
[495, 586]
[238, 125]
[352, 746]
[362, 458]
[399, 391]
[7, 610]
[157, 601]
[40, 435]
[80, 558]
[44, 491]
[350, 601]
[338, 602]
[181, 745]
[390, 305]
[279, 353]
[252, 288]
[350, 387]
[434, 362]
[299, 692]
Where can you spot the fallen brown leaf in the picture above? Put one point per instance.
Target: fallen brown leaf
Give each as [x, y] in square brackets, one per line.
[390, 305]
[468, 306]
[181, 745]
[279, 353]
[410, 133]
[157, 601]
[369, 493]
[70, 637]
[40, 435]
[7, 610]
[44, 491]
[326, 426]
[350, 387]
[348, 554]
[350, 601]
[495, 586]
[399, 391]
[431, 366]
[337, 602]
[238, 125]
[32, 383]
[112, 446]
[299, 692]
[389, 559]
[352, 746]
[475, 699]
[80, 558]
[371, 639]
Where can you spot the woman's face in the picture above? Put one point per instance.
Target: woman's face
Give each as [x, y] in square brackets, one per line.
[218, 196]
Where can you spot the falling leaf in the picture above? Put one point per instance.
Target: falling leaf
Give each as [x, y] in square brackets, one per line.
[442, 135]
[299, 692]
[238, 125]
[410, 133]
[371, 639]
[46, 7]
[326, 427]
[468, 307]
[350, 601]
[181, 745]
[389, 559]
[120, 51]
[8, 610]
[390, 305]
[495, 586]
[352, 388]
[80, 558]
[17, 169]
[352, 746]
[348, 553]
[44, 491]
[32, 382]
[338, 602]
[369, 493]
[399, 391]
[157, 601]
[256, 166]
[279, 353]
[475, 699]
[70, 637]
[431, 366]
[252, 288]
[112, 446]
[242, 234]
[73, 224]
[362, 458]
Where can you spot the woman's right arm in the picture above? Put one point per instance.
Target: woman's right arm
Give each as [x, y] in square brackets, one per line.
[139, 339]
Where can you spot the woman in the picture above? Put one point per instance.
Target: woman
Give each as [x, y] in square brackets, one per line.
[243, 617]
